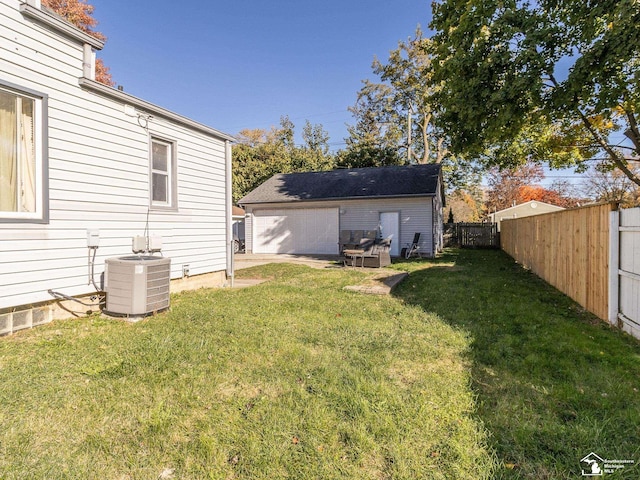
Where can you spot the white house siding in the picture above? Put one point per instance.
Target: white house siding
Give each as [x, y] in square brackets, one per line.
[416, 215]
[99, 176]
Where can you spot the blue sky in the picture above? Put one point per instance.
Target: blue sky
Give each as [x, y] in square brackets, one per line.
[244, 63]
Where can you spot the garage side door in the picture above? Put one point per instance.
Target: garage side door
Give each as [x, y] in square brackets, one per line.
[296, 231]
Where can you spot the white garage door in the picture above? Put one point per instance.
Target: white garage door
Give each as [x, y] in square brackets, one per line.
[303, 230]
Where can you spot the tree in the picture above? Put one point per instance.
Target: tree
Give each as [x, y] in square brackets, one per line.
[604, 185]
[257, 156]
[79, 13]
[450, 218]
[397, 114]
[541, 194]
[466, 205]
[314, 154]
[511, 187]
[260, 154]
[398, 110]
[366, 155]
[373, 140]
[368, 144]
[545, 81]
[505, 185]
[102, 74]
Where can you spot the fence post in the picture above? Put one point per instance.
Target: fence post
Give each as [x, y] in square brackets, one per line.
[614, 266]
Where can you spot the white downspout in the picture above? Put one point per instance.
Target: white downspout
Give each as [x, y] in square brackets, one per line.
[228, 212]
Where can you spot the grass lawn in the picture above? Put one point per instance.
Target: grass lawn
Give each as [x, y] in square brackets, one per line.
[294, 378]
[473, 369]
[553, 383]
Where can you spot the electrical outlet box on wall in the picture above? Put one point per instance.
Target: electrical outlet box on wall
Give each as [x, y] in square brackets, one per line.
[93, 238]
[155, 243]
[139, 244]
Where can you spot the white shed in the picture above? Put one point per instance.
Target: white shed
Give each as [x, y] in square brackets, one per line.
[527, 209]
[80, 159]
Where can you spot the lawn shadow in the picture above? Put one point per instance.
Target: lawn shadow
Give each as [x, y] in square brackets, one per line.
[554, 383]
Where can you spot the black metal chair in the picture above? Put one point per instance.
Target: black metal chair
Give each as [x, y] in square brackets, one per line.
[414, 247]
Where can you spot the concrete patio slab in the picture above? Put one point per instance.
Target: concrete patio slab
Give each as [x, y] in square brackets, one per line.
[246, 260]
[382, 284]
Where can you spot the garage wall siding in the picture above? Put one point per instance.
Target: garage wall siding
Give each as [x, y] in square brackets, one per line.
[416, 215]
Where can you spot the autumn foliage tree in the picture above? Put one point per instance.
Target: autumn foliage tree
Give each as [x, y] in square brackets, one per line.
[465, 205]
[539, 193]
[509, 187]
[80, 13]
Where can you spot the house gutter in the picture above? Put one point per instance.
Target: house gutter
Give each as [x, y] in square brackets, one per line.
[229, 212]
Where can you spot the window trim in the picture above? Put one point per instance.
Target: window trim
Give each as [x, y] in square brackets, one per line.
[172, 172]
[41, 129]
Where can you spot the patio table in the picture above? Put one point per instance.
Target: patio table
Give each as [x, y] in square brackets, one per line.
[353, 255]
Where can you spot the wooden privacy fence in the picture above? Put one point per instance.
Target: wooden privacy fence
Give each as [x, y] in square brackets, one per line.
[472, 235]
[569, 249]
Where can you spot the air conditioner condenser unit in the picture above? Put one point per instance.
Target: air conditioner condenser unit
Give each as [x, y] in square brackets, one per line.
[137, 285]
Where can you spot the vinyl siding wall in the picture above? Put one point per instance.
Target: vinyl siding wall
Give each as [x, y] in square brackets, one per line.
[99, 177]
[416, 215]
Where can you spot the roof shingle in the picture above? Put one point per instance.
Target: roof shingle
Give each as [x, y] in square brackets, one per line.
[396, 181]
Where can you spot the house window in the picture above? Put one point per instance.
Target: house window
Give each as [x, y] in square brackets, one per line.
[163, 175]
[22, 161]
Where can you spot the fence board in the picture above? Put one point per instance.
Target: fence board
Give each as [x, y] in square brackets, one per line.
[472, 235]
[628, 314]
[568, 249]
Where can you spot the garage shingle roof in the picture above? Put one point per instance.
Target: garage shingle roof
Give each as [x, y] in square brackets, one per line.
[381, 182]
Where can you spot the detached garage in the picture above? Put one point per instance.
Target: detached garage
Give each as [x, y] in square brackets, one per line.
[304, 213]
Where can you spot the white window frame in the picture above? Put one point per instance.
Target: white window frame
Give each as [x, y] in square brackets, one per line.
[40, 127]
[171, 202]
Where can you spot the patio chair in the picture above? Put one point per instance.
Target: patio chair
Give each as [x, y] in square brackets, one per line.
[413, 248]
[369, 253]
[345, 240]
[377, 255]
[357, 251]
[371, 234]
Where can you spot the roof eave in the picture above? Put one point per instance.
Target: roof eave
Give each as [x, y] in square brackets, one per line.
[56, 22]
[150, 108]
[334, 199]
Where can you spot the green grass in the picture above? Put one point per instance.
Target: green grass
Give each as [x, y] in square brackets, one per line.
[294, 378]
[553, 383]
[473, 369]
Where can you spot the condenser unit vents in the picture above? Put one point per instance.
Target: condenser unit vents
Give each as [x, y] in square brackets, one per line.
[137, 284]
